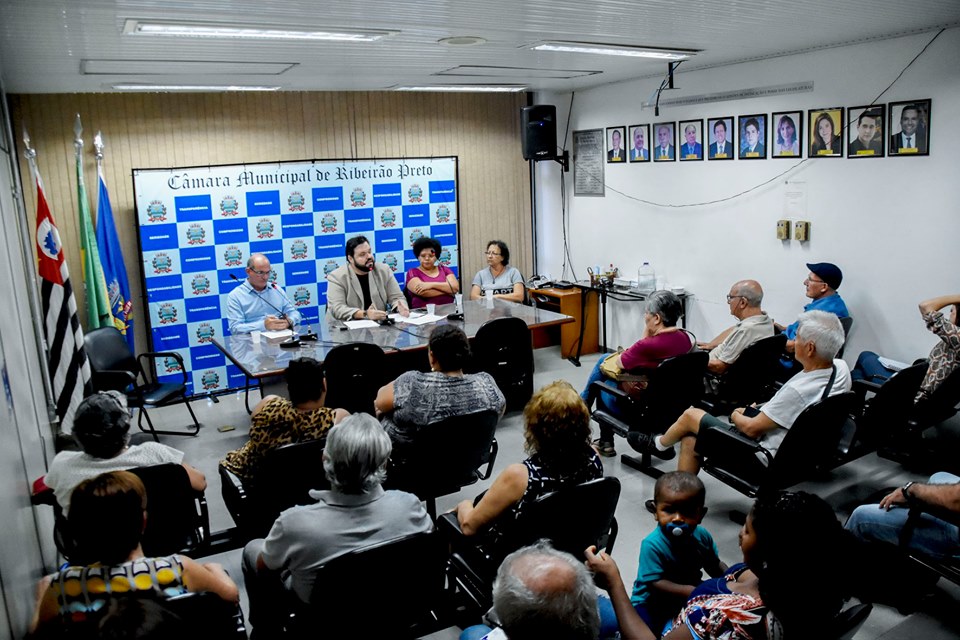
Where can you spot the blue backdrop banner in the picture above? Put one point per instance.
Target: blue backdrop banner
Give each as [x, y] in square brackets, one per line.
[198, 225]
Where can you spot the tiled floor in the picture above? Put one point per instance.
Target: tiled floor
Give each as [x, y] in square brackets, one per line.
[844, 489]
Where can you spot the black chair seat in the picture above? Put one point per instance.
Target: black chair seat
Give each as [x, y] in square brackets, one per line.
[503, 348]
[354, 373]
[749, 379]
[113, 367]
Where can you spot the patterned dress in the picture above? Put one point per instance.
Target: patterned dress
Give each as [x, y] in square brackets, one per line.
[277, 424]
[945, 356]
[84, 590]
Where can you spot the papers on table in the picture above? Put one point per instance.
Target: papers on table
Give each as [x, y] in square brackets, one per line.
[360, 324]
[419, 319]
[274, 336]
[414, 319]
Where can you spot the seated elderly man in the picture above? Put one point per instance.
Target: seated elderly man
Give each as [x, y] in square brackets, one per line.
[932, 536]
[821, 287]
[540, 592]
[819, 338]
[102, 427]
[354, 514]
[752, 324]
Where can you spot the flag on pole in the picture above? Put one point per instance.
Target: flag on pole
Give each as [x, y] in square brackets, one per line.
[98, 305]
[111, 260]
[69, 369]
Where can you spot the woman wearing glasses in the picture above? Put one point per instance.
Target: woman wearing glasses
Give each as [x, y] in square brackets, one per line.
[499, 277]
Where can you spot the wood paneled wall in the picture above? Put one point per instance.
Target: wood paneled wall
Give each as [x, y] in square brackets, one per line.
[144, 131]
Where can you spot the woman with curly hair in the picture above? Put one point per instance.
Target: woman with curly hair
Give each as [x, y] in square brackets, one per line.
[557, 439]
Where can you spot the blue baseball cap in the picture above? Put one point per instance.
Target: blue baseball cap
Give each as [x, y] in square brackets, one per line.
[829, 273]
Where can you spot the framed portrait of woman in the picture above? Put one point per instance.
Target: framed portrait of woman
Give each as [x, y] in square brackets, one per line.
[865, 131]
[786, 134]
[909, 123]
[753, 136]
[639, 143]
[825, 128]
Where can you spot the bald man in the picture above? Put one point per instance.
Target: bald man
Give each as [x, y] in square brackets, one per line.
[753, 324]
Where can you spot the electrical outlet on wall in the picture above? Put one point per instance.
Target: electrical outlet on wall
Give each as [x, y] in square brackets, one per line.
[783, 229]
[801, 231]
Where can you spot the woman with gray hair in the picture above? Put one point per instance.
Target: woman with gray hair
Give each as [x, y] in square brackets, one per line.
[102, 427]
[354, 514]
[661, 339]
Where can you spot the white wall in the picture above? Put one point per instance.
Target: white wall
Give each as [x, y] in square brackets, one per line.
[891, 224]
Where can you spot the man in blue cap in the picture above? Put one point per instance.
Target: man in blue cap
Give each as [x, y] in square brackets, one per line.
[822, 283]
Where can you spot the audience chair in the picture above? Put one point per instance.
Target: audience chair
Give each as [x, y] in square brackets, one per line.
[846, 323]
[178, 520]
[749, 379]
[503, 348]
[572, 519]
[113, 367]
[408, 572]
[284, 479]
[883, 418]
[675, 385]
[354, 373]
[848, 622]
[810, 446]
[447, 456]
[948, 568]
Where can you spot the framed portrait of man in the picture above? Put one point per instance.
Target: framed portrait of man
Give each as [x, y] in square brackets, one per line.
[865, 131]
[909, 128]
[753, 136]
[666, 142]
[639, 143]
[616, 151]
[722, 138]
[786, 134]
[691, 147]
[825, 127]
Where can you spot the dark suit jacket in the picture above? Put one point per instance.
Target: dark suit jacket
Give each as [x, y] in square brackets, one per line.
[644, 154]
[759, 149]
[856, 146]
[622, 157]
[697, 150]
[671, 152]
[727, 149]
[896, 141]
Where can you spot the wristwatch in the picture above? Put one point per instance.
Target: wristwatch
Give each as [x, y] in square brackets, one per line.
[905, 490]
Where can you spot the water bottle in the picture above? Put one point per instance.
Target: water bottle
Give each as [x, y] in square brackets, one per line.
[646, 278]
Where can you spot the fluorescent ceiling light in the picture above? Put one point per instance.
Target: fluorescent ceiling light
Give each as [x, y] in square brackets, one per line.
[188, 87]
[224, 30]
[465, 88]
[655, 53]
[177, 68]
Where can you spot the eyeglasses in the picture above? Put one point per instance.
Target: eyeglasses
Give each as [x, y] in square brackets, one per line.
[731, 298]
[491, 253]
[809, 280]
[260, 273]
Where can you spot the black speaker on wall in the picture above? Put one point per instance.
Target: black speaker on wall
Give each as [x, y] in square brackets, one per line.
[538, 131]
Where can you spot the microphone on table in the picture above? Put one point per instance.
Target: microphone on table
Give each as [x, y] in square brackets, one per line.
[293, 341]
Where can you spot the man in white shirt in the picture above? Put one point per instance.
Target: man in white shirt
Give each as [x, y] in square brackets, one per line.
[819, 338]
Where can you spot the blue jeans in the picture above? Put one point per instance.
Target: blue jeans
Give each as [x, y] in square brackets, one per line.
[868, 367]
[931, 536]
[605, 401]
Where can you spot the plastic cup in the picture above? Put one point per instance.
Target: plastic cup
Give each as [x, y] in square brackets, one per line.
[431, 308]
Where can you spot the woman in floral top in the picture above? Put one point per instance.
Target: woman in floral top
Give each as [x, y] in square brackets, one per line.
[277, 421]
[774, 591]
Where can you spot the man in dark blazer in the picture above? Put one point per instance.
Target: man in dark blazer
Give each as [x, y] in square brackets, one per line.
[867, 142]
[909, 137]
[639, 151]
[616, 152]
[752, 144]
[721, 146]
[692, 149]
[664, 150]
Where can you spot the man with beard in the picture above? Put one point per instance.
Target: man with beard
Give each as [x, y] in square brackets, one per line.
[362, 288]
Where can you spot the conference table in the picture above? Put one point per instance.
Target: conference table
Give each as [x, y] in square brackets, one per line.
[263, 359]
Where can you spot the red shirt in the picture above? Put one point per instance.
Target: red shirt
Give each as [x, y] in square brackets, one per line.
[649, 352]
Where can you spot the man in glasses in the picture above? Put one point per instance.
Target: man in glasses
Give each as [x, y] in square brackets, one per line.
[363, 289]
[821, 287]
[752, 324]
[259, 304]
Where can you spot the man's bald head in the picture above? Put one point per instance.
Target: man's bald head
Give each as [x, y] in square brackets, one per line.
[749, 290]
[541, 592]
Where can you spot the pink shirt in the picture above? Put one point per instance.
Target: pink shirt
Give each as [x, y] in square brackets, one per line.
[416, 301]
[649, 352]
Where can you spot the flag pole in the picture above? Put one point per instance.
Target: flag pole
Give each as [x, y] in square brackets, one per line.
[34, 291]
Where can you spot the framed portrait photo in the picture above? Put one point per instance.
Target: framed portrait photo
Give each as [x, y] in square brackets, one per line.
[722, 138]
[616, 149]
[639, 143]
[909, 128]
[691, 146]
[825, 127]
[865, 131]
[786, 134]
[665, 141]
[753, 136]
